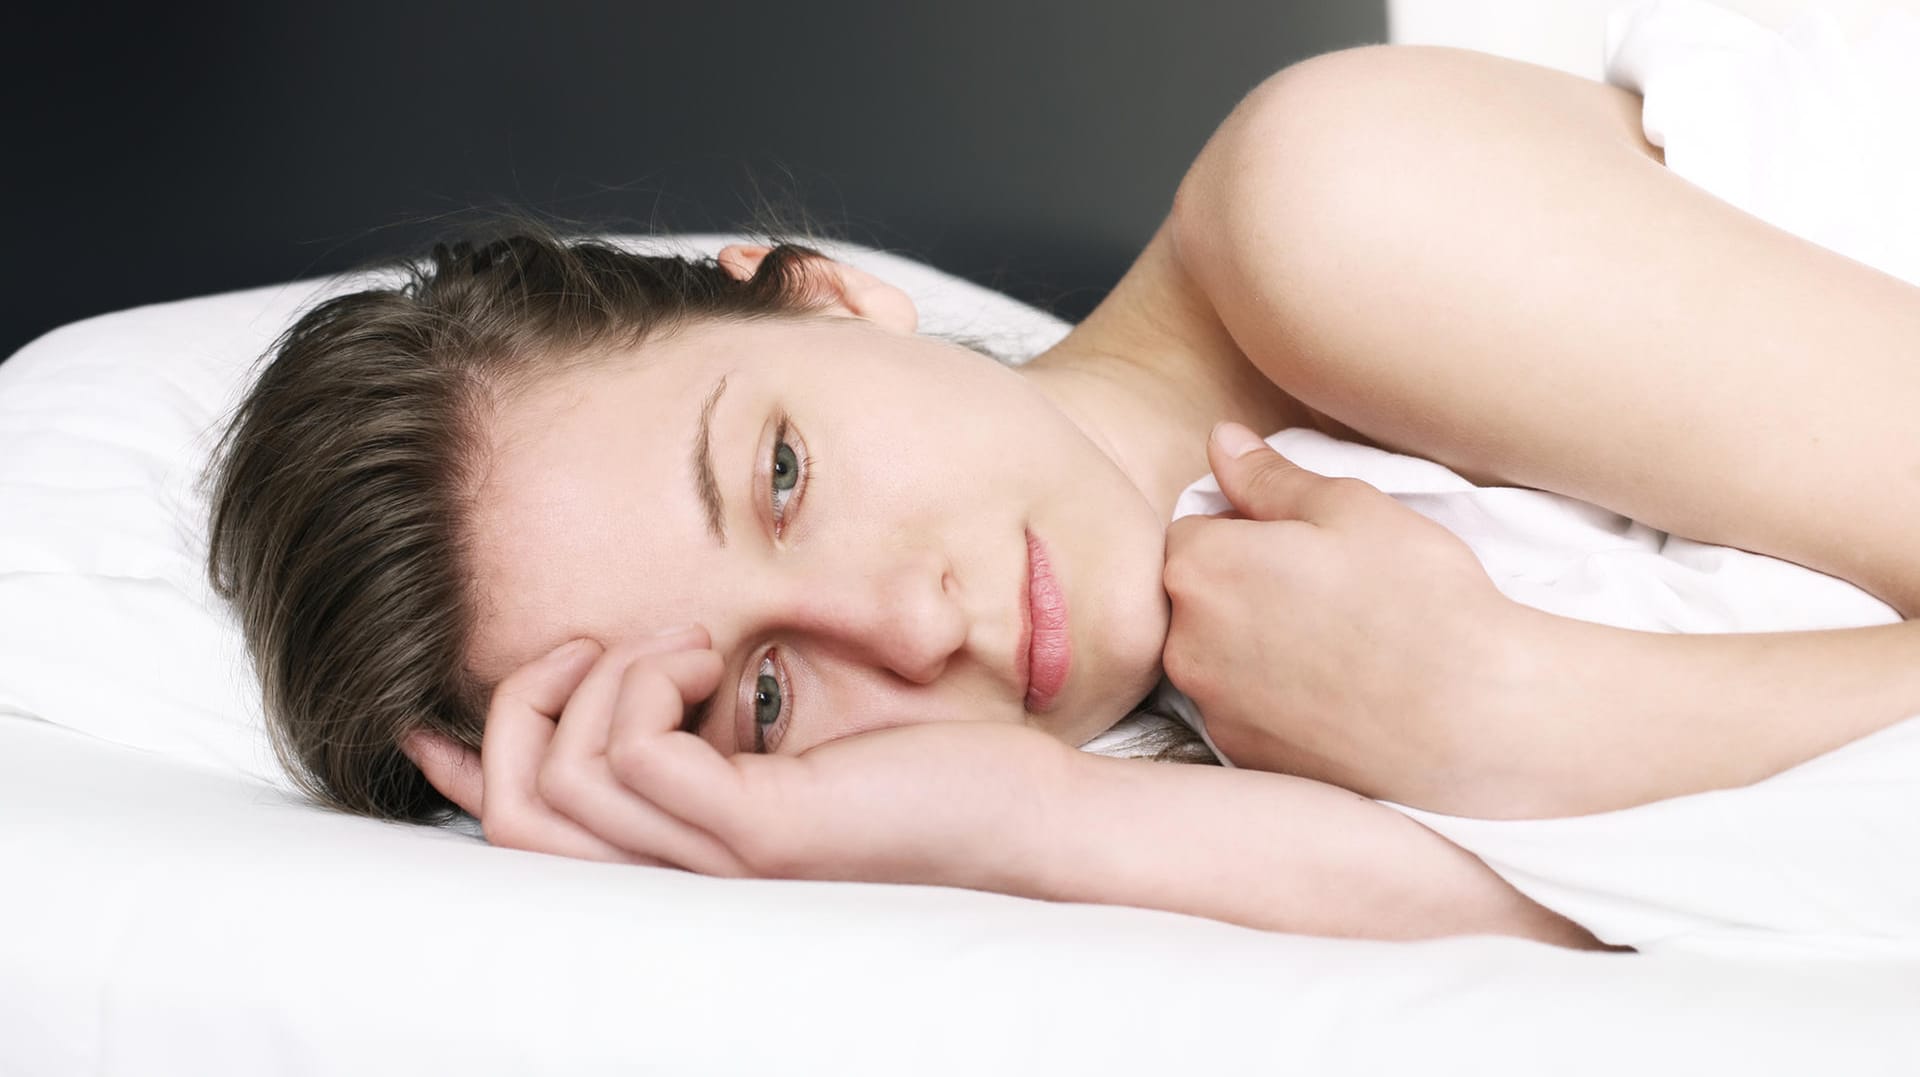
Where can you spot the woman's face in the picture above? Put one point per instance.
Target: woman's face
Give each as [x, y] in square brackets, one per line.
[847, 509]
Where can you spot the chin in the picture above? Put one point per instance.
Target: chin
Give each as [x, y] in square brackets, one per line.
[1133, 634]
[1120, 610]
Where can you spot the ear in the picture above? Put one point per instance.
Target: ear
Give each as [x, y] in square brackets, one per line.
[450, 767]
[854, 292]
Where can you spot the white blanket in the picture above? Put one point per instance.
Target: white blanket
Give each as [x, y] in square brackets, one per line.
[1823, 139]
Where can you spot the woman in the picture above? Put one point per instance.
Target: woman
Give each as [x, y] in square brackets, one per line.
[680, 532]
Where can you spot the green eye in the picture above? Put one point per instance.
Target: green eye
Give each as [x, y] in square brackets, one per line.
[766, 702]
[770, 710]
[786, 468]
[784, 477]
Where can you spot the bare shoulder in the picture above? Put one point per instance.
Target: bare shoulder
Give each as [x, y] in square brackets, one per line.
[1364, 130]
[1344, 179]
[1482, 262]
[1422, 87]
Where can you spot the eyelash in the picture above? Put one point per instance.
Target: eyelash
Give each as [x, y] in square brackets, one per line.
[782, 502]
[778, 728]
[803, 464]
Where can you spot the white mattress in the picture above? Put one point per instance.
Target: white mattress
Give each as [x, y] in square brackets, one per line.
[167, 918]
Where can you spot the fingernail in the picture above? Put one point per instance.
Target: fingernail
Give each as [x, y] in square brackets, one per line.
[571, 649]
[1235, 440]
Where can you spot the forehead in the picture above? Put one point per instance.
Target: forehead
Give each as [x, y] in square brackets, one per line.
[584, 502]
[586, 520]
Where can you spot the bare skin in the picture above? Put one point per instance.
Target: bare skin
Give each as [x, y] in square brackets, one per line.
[1259, 301]
[1568, 315]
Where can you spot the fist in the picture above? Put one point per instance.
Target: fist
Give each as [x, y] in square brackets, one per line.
[1326, 630]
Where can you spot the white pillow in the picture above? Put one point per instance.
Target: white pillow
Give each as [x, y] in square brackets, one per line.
[109, 624]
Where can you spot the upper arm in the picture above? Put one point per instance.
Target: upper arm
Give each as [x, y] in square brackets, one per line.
[1482, 262]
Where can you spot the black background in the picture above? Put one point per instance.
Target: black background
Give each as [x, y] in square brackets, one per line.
[164, 151]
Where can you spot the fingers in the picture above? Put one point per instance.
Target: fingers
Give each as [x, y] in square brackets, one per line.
[520, 728]
[1263, 485]
[679, 771]
[583, 757]
[1207, 545]
[540, 686]
[544, 684]
[517, 738]
[578, 779]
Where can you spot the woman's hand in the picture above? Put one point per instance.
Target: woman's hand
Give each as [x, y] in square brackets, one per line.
[1332, 633]
[583, 757]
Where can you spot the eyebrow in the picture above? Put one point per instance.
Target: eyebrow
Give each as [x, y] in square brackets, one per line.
[704, 482]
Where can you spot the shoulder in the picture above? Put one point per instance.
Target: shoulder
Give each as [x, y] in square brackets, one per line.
[1410, 90]
[1367, 135]
[1371, 224]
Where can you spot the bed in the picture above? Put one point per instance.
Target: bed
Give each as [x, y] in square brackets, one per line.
[173, 907]
[176, 908]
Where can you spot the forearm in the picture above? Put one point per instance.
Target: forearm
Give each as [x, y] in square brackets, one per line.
[1598, 718]
[1271, 851]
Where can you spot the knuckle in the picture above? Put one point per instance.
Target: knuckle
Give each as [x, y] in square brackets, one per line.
[627, 758]
[1346, 493]
[1175, 577]
[1180, 667]
[555, 781]
[638, 675]
[511, 690]
[647, 693]
[1186, 571]
[628, 654]
[697, 663]
[1272, 479]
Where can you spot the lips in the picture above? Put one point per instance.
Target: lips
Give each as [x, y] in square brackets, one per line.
[1049, 651]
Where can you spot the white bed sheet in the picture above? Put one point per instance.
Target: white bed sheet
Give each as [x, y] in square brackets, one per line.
[163, 917]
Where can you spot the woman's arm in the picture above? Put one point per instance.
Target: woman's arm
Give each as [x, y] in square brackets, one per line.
[1482, 262]
[584, 756]
[1595, 718]
[1275, 852]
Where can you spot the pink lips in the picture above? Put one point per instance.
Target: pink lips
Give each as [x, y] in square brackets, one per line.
[1049, 651]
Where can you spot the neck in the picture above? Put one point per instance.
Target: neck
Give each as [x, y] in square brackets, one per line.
[1150, 372]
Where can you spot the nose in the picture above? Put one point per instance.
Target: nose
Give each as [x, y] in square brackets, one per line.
[898, 612]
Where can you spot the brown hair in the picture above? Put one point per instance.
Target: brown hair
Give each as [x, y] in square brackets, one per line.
[341, 486]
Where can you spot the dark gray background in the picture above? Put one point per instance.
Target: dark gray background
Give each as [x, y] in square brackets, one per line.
[166, 151]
